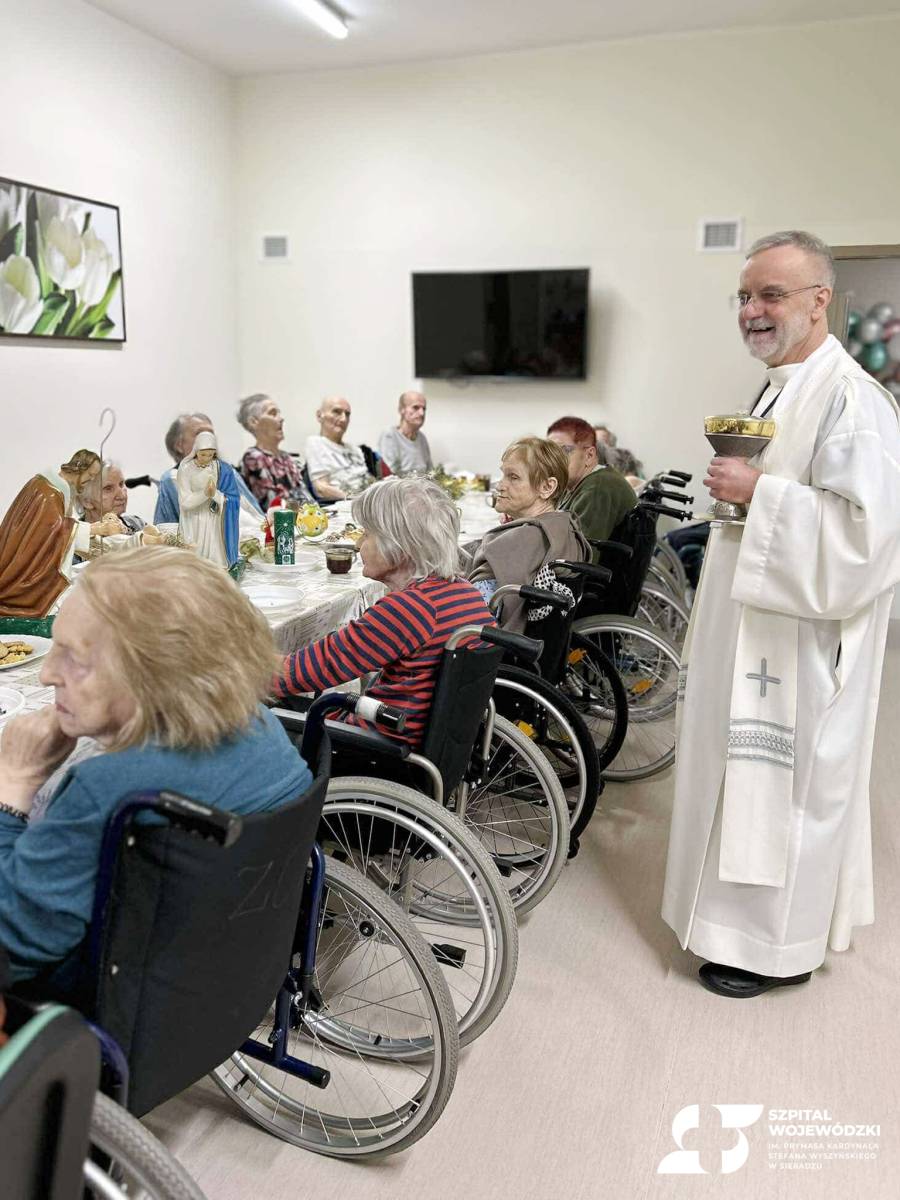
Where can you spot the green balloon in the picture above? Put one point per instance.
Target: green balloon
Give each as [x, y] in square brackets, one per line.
[874, 356]
[853, 319]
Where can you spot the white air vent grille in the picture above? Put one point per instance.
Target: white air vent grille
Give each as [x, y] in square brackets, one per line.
[722, 233]
[275, 247]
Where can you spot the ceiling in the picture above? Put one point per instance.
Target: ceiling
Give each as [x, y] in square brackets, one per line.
[249, 37]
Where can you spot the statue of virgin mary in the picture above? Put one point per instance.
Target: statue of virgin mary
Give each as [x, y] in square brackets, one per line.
[209, 501]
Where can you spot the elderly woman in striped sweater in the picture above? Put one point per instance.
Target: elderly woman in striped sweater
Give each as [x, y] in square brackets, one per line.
[411, 546]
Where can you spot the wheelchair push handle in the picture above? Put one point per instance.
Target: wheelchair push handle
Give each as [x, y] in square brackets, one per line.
[665, 511]
[526, 648]
[659, 493]
[364, 706]
[682, 475]
[140, 481]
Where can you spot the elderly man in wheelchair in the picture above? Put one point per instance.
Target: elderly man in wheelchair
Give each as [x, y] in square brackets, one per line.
[174, 922]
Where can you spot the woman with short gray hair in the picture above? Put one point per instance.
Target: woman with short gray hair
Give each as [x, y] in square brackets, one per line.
[409, 544]
[272, 475]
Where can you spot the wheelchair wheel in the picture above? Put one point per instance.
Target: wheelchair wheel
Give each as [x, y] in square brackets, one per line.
[647, 663]
[664, 612]
[141, 1166]
[666, 560]
[550, 719]
[518, 811]
[380, 1021]
[438, 872]
[593, 685]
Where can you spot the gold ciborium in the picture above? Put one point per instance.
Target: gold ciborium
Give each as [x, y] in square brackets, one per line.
[736, 435]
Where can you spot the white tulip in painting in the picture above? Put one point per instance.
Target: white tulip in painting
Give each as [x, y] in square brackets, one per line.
[20, 295]
[64, 254]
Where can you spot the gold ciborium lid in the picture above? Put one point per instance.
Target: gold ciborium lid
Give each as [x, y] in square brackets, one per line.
[736, 435]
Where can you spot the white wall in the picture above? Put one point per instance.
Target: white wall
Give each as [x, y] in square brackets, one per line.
[602, 156]
[93, 107]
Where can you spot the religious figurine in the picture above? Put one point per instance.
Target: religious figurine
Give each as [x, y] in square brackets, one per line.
[40, 534]
[209, 501]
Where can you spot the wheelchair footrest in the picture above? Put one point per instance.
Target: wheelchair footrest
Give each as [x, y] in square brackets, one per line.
[447, 955]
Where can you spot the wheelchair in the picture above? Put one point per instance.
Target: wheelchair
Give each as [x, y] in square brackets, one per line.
[482, 773]
[234, 946]
[534, 696]
[644, 657]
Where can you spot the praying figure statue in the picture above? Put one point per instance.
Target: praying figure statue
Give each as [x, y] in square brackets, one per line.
[40, 534]
[209, 502]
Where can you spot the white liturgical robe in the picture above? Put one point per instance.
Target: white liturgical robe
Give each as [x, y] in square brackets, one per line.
[811, 575]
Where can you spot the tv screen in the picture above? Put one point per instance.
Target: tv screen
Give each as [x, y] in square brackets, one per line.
[526, 324]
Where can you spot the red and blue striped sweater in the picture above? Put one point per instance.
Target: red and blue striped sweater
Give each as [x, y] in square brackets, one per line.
[402, 636]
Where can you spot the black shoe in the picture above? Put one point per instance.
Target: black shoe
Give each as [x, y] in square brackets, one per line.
[740, 984]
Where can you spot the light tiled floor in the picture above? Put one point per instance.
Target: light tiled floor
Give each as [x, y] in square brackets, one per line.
[607, 1036]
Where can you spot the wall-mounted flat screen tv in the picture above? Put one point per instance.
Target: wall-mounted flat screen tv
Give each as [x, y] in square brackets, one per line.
[524, 324]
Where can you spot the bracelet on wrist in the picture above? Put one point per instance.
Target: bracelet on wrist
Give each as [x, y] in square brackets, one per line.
[14, 812]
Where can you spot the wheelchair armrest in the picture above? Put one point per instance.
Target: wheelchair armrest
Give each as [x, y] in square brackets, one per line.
[553, 599]
[529, 649]
[367, 740]
[588, 571]
[616, 547]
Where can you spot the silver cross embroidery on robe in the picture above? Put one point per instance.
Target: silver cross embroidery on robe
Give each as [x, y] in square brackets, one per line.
[763, 741]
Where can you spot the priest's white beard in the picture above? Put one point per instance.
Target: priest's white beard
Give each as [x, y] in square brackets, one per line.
[767, 337]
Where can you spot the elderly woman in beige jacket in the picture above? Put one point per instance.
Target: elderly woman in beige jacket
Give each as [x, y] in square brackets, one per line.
[534, 475]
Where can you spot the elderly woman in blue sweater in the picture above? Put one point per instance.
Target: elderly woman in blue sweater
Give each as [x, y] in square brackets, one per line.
[137, 664]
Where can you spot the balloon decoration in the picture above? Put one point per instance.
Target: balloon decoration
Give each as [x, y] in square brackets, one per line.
[873, 340]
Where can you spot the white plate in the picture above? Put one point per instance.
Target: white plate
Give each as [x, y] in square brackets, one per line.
[39, 647]
[266, 598]
[10, 702]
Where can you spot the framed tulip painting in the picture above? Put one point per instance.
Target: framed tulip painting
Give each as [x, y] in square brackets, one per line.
[60, 265]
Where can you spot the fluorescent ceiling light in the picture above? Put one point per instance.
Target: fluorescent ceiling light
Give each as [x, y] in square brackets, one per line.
[324, 16]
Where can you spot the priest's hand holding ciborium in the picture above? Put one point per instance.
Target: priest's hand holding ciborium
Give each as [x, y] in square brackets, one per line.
[738, 437]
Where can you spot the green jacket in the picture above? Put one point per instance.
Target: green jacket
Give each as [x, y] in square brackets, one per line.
[600, 501]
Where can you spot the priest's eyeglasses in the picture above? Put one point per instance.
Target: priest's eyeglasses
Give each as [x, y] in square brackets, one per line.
[770, 296]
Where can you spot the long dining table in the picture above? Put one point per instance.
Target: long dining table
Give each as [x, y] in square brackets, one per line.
[321, 603]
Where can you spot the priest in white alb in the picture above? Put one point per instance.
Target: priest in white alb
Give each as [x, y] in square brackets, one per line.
[770, 856]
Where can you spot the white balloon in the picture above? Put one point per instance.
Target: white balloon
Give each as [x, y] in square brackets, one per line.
[869, 330]
[881, 312]
[893, 347]
[854, 347]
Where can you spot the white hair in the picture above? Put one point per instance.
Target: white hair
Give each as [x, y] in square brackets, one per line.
[89, 494]
[250, 408]
[807, 242]
[411, 519]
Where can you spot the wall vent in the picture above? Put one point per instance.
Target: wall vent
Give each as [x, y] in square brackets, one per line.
[721, 233]
[275, 247]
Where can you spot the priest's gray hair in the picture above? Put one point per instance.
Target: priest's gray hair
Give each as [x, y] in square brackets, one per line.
[803, 241]
[250, 408]
[411, 520]
[173, 433]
